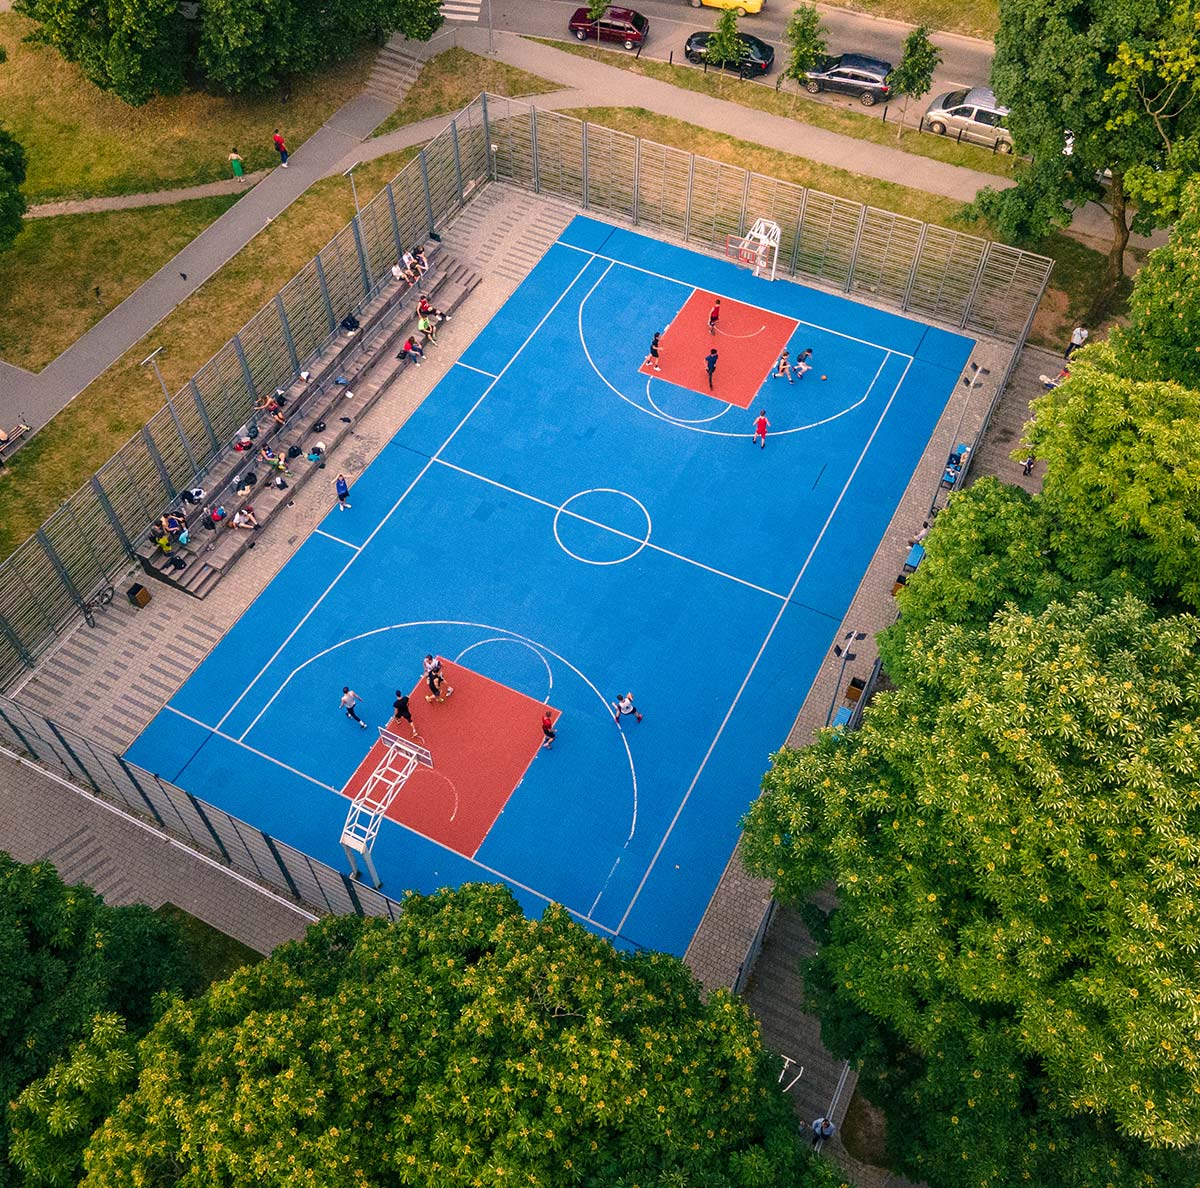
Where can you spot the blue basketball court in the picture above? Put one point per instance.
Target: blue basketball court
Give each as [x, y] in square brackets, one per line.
[567, 524]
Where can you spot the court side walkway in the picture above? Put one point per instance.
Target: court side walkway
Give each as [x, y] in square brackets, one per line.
[34, 399]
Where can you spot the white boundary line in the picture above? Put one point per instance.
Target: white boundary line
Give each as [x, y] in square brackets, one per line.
[404, 495]
[692, 426]
[754, 663]
[615, 531]
[477, 370]
[330, 536]
[730, 297]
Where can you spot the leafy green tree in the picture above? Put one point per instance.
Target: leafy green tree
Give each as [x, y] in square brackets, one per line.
[66, 957]
[725, 45]
[249, 46]
[1012, 837]
[1052, 68]
[1123, 472]
[54, 1117]
[1162, 340]
[462, 1045]
[596, 10]
[913, 74]
[135, 48]
[804, 37]
[12, 177]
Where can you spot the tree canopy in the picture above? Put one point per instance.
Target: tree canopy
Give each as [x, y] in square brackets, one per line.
[804, 37]
[141, 48]
[1013, 838]
[464, 1044]
[12, 177]
[913, 74]
[1089, 93]
[67, 957]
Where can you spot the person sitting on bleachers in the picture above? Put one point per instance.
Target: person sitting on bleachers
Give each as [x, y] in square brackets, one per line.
[419, 258]
[245, 518]
[425, 308]
[411, 350]
[272, 459]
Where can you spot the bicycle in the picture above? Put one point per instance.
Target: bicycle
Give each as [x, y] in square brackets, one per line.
[102, 598]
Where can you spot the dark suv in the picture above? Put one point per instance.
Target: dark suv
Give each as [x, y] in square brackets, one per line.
[852, 74]
[617, 24]
[757, 57]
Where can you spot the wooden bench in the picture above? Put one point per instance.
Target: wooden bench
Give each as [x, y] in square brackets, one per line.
[9, 439]
[368, 365]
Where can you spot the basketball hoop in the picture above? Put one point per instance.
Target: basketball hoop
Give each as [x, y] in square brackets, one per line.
[756, 250]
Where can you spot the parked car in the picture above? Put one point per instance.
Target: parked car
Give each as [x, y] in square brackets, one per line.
[741, 7]
[617, 24]
[852, 74]
[972, 115]
[757, 56]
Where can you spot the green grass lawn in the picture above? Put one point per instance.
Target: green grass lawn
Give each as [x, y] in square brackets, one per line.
[451, 80]
[214, 953]
[976, 18]
[1076, 271]
[48, 279]
[83, 142]
[793, 105]
[110, 410]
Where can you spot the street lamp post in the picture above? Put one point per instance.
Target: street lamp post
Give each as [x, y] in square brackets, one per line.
[354, 189]
[850, 638]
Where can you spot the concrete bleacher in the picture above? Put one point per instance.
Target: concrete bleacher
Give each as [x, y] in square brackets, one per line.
[367, 361]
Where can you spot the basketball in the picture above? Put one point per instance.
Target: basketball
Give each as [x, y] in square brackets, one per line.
[824, 377]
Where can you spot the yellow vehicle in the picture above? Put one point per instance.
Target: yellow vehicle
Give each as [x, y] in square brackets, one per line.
[741, 7]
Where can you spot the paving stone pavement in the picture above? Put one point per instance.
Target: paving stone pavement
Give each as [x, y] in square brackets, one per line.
[109, 682]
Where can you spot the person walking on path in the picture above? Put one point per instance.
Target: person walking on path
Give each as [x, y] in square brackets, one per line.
[280, 148]
[349, 700]
[435, 680]
[401, 713]
[710, 363]
[549, 734]
[760, 429]
[714, 315]
[623, 707]
[784, 368]
[1078, 337]
[652, 355]
[236, 162]
[822, 1130]
[343, 492]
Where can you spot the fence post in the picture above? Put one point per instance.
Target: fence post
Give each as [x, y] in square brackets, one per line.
[183, 441]
[8, 721]
[912, 272]
[687, 214]
[363, 267]
[325, 293]
[283, 870]
[164, 475]
[395, 221]
[583, 145]
[637, 178]
[799, 228]
[457, 162]
[125, 767]
[533, 149]
[858, 231]
[246, 373]
[745, 202]
[202, 411]
[287, 333]
[487, 136]
[983, 262]
[429, 219]
[83, 767]
[15, 640]
[107, 508]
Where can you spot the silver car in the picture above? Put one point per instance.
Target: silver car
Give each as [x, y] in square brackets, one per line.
[972, 115]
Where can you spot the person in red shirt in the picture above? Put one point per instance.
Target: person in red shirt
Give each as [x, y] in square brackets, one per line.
[548, 731]
[714, 316]
[760, 429]
[280, 148]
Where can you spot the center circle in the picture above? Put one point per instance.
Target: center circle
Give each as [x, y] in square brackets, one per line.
[596, 528]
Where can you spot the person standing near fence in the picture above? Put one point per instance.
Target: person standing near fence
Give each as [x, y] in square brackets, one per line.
[280, 148]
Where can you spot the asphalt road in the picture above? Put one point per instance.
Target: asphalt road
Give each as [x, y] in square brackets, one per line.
[965, 61]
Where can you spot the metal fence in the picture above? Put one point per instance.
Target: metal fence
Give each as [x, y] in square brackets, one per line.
[237, 845]
[94, 534]
[946, 276]
[930, 271]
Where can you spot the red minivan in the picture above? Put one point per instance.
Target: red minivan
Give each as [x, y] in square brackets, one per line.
[617, 24]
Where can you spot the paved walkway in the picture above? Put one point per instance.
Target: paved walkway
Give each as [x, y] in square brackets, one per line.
[230, 185]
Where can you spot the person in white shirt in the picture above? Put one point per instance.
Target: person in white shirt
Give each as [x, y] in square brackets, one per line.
[1078, 337]
[624, 707]
[245, 518]
[397, 271]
